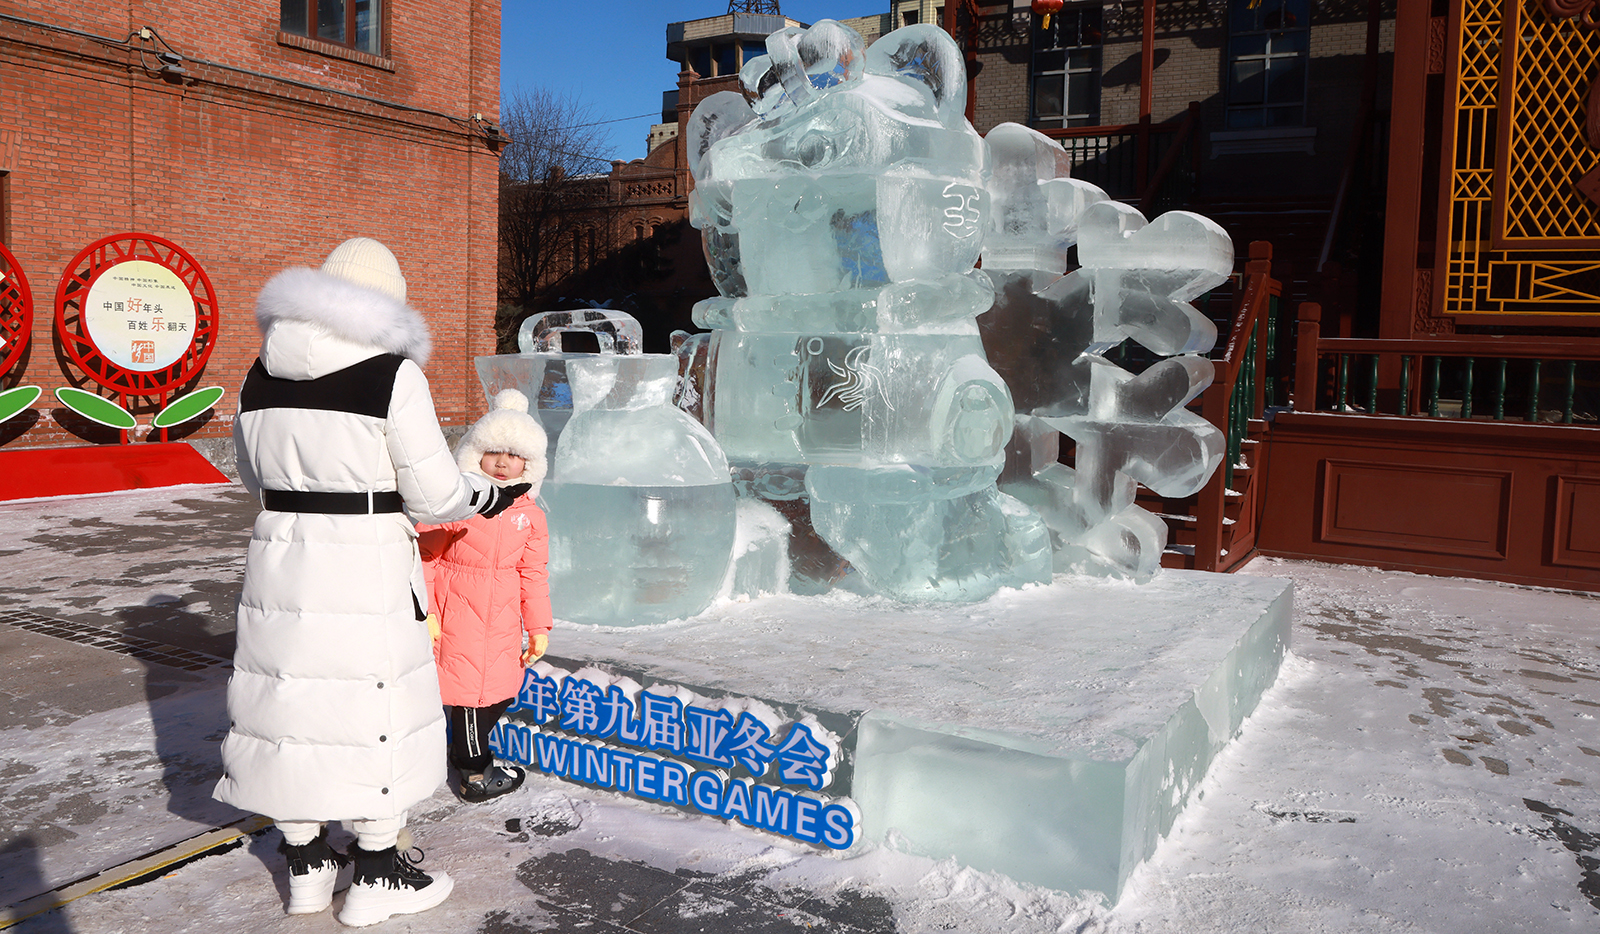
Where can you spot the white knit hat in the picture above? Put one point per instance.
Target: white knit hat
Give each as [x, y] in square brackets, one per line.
[367, 262]
[507, 428]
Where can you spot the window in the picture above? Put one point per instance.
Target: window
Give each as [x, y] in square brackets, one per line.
[727, 57]
[1268, 44]
[910, 17]
[354, 24]
[1066, 69]
[700, 60]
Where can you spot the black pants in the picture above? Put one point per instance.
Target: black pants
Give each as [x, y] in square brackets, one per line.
[469, 736]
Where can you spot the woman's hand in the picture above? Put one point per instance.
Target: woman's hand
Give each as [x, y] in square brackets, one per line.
[536, 646]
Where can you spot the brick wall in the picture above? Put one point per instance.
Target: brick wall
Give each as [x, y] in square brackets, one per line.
[266, 155]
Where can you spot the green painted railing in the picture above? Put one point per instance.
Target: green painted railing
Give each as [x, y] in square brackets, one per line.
[1238, 395]
[1472, 379]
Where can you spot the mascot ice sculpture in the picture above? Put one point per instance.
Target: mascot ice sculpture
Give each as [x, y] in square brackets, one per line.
[843, 201]
[843, 210]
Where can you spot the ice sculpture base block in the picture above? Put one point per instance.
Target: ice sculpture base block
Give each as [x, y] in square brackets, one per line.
[1051, 733]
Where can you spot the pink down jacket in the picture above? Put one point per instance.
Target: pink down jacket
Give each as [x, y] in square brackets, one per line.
[487, 581]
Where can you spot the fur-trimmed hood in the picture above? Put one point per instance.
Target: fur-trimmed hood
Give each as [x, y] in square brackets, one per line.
[313, 323]
[510, 429]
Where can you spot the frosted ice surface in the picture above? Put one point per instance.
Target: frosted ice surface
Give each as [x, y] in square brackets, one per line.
[1051, 733]
[540, 377]
[633, 555]
[760, 552]
[1146, 273]
[1036, 207]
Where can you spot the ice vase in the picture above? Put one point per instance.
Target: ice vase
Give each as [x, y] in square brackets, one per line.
[640, 503]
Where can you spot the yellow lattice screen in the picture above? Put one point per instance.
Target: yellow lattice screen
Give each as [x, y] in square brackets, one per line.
[1523, 239]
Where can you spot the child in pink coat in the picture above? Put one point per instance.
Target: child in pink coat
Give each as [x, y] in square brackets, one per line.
[488, 586]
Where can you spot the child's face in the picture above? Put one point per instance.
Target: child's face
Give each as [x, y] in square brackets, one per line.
[502, 466]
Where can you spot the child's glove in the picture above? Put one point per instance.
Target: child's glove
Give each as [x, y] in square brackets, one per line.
[433, 627]
[536, 646]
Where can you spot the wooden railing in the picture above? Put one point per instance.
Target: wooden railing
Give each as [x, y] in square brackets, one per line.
[1491, 379]
[1237, 396]
[1151, 164]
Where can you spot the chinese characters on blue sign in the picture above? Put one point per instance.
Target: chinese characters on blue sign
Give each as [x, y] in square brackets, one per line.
[653, 745]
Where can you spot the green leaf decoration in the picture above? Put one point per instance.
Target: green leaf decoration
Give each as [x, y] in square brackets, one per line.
[181, 410]
[96, 409]
[15, 400]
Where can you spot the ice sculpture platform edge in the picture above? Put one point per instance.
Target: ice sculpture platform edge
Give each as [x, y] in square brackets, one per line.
[1052, 733]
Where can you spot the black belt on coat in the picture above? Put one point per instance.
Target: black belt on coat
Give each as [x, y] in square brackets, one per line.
[337, 504]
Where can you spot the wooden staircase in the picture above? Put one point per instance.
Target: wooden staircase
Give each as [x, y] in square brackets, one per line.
[1241, 509]
[1216, 529]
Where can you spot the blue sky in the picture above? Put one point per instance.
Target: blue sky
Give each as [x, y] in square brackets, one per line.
[612, 54]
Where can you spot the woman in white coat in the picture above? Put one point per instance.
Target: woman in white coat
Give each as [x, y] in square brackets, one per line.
[334, 697]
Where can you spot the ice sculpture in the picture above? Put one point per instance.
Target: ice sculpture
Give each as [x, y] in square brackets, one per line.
[1046, 333]
[842, 211]
[641, 507]
[540, 370]
[843, 201]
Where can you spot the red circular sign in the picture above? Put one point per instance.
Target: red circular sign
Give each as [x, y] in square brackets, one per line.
[147, 336]
[16, 311]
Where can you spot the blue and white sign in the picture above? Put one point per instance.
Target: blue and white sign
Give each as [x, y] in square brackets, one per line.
[668, 745]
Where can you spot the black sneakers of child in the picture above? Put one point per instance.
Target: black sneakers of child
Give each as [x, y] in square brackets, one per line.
[491, 784]
[313, 874]
[387, 883]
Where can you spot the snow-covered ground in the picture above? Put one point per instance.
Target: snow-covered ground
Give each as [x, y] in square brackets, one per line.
[1429, 760]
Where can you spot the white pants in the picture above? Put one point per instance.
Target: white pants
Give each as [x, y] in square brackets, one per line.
[371, 835]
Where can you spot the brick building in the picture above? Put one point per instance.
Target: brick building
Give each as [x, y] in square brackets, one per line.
[254, 135]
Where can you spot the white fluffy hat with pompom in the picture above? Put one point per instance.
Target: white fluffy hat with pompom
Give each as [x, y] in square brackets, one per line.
[510, 429]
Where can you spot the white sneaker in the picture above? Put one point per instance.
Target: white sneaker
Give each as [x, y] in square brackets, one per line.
[315, 871]
[387, 883]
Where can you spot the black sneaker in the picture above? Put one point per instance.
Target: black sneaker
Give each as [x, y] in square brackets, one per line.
[492, 784]
[389, 883]
[313, 874]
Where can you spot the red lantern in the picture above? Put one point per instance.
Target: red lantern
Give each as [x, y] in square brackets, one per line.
[1045, 7]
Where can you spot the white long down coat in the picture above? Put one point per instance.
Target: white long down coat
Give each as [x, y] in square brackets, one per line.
[334, 697]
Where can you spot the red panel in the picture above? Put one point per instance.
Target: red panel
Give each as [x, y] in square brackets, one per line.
[1465, 498]
[107, 468]
[1577, 539]
[1417, 507]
